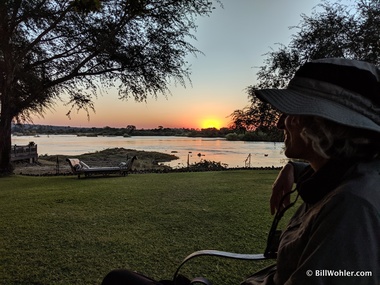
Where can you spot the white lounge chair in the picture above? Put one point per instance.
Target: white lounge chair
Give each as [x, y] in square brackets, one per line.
[79, 167]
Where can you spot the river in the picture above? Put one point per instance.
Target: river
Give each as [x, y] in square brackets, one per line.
[232, 153]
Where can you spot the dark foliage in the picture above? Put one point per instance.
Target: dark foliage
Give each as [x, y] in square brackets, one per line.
[332, 30]
[207, 165]
[68, 49]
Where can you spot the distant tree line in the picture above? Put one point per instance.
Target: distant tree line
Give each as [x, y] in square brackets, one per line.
[131, 130]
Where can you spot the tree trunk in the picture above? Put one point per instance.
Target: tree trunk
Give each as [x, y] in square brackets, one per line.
[5, 141]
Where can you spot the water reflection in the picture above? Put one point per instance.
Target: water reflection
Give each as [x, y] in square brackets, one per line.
[233, 153]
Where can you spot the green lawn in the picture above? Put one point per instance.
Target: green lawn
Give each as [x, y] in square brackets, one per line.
[64, 230]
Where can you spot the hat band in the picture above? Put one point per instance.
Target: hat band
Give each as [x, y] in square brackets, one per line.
[337, 94]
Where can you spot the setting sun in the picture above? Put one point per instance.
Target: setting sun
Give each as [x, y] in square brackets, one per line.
[211, 123]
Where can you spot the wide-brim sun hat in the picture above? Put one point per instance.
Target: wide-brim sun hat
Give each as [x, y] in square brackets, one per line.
[341, 90]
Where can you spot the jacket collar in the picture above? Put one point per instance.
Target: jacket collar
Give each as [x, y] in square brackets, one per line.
[313, 186]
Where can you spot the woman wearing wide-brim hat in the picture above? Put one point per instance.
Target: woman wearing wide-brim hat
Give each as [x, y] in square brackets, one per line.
[331, 120]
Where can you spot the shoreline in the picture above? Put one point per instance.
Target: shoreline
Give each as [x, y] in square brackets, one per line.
[147, 162]
[57, 164]
[189, 150]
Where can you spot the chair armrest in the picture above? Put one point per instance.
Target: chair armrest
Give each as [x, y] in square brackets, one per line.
[218, 253]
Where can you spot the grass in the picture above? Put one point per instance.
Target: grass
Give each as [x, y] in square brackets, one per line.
[64, 230]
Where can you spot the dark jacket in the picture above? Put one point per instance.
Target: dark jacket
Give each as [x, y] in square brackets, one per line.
[334, 237]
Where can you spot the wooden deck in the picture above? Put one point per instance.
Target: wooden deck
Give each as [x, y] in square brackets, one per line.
[24, 152]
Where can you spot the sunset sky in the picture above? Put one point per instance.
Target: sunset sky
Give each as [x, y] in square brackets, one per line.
[234, 41]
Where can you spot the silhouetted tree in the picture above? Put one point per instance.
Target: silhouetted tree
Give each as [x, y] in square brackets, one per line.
[52, 50]
[332, 30]
[130, 129]
[258, 116]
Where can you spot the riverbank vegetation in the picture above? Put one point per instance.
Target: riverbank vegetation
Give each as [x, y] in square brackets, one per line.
[48, 165]
[61, 230]
[231, 133]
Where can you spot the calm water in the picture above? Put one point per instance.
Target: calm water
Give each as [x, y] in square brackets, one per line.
[233, 153]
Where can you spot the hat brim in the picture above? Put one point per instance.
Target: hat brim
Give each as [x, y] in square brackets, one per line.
[296, 103]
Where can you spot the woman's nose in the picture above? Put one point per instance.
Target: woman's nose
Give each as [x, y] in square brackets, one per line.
[281, 122]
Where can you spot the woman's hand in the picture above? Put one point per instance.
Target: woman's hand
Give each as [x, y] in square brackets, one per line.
[283, 184]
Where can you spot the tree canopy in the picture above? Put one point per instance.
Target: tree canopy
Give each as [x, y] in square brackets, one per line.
[332, 30]
[68, 49]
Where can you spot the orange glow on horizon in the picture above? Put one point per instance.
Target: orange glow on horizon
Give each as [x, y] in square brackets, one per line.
[211, 123]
